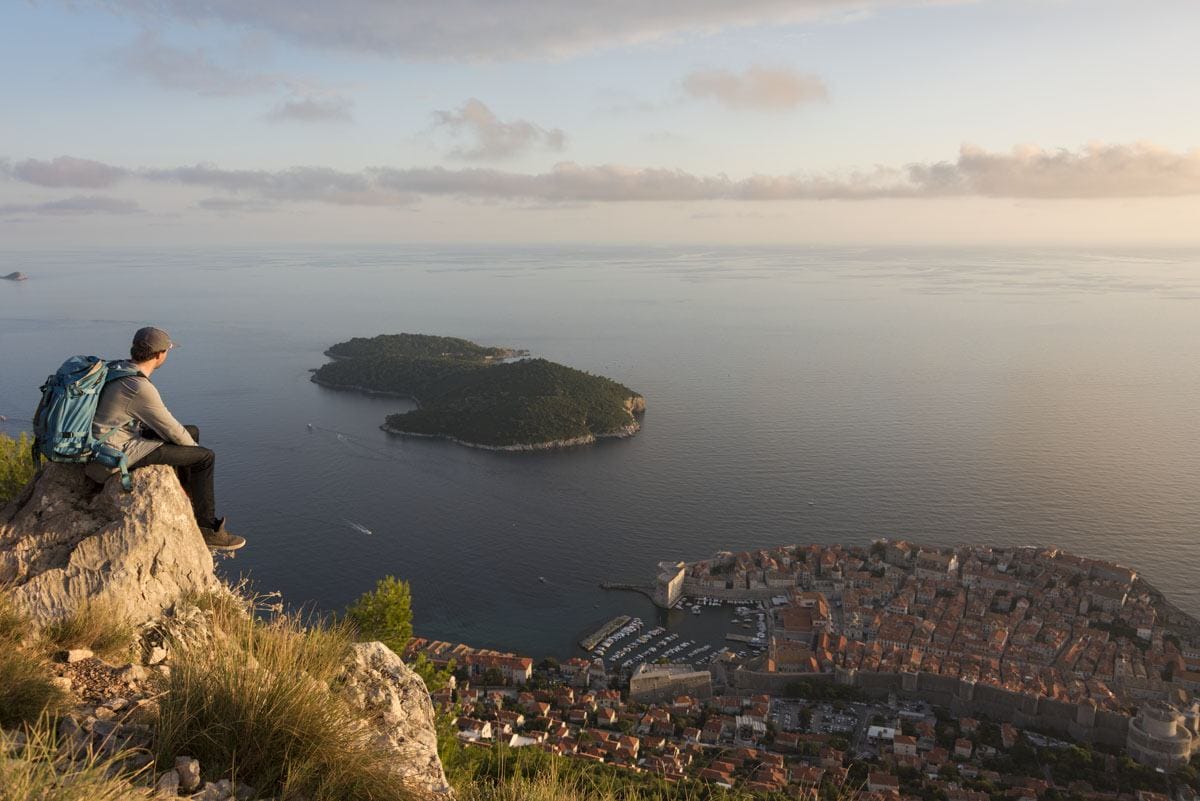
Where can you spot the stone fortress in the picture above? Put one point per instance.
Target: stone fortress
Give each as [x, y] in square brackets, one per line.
[1163, 736]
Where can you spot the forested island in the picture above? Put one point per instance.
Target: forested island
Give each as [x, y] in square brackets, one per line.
[484, 397]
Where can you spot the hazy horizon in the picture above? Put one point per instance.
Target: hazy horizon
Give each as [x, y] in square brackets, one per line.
[812, 122]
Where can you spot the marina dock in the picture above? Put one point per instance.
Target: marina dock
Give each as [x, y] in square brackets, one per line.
[590, 642]
[740, 638]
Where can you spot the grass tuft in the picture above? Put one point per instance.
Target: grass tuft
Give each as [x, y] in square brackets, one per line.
[254, 704]
[16, 466]
[96, 627]
[40, 769]
[25, 688]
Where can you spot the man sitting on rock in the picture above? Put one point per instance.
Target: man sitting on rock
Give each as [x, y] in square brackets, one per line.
[149, 434]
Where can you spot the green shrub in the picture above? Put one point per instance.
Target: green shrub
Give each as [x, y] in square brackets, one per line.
[385, 614]
[501, 773]
[435, 678]
[16, 467]
[255, 704]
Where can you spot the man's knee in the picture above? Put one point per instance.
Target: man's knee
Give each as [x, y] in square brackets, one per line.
[207, 458]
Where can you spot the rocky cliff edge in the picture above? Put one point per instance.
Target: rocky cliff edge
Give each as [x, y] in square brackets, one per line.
[66, 543]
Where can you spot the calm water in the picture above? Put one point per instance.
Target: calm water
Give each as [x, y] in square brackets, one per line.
[1003, 397]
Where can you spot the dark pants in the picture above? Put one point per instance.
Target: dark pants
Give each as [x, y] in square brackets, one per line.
[194, 466]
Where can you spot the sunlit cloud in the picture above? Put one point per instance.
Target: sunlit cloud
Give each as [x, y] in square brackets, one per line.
[492, 138]
[758, 88]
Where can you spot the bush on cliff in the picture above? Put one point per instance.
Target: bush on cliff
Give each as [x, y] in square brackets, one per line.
[16, 467]
[385, 614]
[255, 703]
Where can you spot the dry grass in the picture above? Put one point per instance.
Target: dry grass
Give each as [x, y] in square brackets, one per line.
[40, 769]
[25, 689]
[16, 466]
[97, 627]
[254, 704]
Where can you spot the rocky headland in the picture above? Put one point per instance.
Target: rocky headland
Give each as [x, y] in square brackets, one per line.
[81, 564]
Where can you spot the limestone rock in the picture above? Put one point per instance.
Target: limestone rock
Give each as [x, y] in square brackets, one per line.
[396, 705]
[65, 543]
[77, 655]
[189, 773]
[167, 785]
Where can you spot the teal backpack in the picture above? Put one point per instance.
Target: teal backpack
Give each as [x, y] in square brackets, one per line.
[62, 424]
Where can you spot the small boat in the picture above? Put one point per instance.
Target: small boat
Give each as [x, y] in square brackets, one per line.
[542, 579]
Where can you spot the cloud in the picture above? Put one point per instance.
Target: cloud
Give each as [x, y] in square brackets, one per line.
[64, 171]
[494, 138]
[230, 205]
[758, 88]
[151, 58]
[194, 70]
[488, 30]
[1094, 172]
[1097, 170]
[296, 184]
[333, 108]
[76, 205]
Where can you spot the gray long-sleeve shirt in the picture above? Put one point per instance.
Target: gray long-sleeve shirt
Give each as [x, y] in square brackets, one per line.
[131, 405]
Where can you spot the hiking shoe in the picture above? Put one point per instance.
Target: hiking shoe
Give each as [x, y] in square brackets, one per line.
[218, 538]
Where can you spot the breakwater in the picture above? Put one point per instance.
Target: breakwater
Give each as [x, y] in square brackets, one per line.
[590, 642]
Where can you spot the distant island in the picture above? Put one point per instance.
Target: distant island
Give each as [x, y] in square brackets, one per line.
[17, 276]
[483, 397]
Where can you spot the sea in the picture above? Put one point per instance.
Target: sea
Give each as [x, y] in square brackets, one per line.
[945, 396]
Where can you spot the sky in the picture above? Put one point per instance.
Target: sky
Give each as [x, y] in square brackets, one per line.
[829, 122]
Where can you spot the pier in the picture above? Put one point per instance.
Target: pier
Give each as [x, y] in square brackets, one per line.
[644, 589]
[590, 642]
[740, 638]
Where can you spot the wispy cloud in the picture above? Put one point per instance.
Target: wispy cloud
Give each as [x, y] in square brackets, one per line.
[758, 88]
[77, 205]
[313, 109]
[485, 29]
[492, 138]
[1095, 171]
[232, 205]
[151, 58]
[64, 171]
[295, 184]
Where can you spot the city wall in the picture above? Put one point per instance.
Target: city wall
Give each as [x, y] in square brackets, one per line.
[693, 588]
[963, 697]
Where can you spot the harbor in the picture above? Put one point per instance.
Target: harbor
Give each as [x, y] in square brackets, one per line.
[592, 640]
[696, 631]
